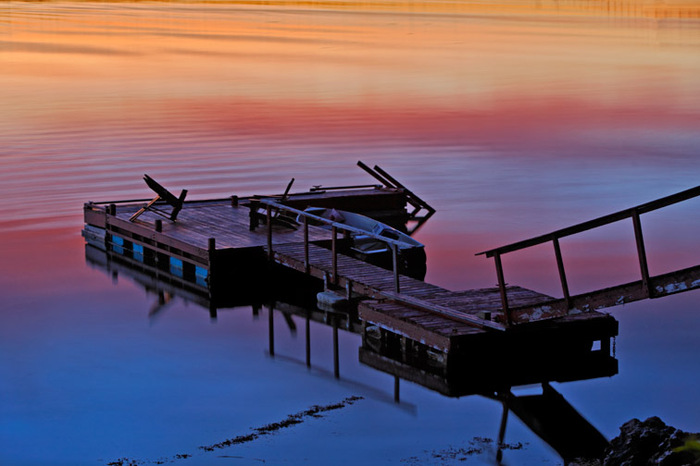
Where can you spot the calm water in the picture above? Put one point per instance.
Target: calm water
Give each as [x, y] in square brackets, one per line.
[511, 121]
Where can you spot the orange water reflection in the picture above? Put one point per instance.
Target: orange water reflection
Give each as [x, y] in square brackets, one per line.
[511, 119]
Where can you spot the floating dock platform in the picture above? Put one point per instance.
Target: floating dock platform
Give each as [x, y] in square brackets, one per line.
[221, 246]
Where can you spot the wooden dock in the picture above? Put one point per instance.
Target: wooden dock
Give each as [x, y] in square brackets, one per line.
[222, 244]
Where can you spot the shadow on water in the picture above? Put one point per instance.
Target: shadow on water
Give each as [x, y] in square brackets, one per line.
[488, 373]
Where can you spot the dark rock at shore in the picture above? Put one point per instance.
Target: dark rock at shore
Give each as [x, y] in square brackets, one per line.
[645, 443]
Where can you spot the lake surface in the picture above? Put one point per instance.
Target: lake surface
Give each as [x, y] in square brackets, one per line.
[511, 120]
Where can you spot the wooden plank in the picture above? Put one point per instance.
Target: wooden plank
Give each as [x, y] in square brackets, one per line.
[93, 215]
[445, 311]
[401, 327]
[663, 285]
[125, 225]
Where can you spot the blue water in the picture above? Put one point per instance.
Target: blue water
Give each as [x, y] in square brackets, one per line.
[509, 124]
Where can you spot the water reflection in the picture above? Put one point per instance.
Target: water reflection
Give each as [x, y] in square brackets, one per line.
[511, 122]
[483, 373]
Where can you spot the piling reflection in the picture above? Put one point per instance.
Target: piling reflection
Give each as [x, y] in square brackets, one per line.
[455, 374]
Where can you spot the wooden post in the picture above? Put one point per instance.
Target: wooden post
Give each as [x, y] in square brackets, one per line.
[211, 253]
[334, 248]
[641, 252]
[562, 273]
[502, 287]
[395, 260]
[307, 266]
[254, 215]
[112, 209]
[336, 353]
[308, 338]
[159, 225]
[271, 323]
[269, 231]
[234, 201]
[348, 290]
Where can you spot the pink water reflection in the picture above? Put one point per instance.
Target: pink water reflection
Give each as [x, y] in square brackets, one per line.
[511, 122]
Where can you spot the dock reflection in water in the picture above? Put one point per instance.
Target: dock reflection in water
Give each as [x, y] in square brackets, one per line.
[486, 373]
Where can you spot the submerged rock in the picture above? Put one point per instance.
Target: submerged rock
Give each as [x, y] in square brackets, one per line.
[650, 442]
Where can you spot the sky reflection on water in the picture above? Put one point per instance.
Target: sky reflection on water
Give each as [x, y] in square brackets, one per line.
[510, 123]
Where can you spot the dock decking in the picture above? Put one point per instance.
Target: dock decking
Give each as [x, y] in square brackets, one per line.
[423, 312]
[217, 243]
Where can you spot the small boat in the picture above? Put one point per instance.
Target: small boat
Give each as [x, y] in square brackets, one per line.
[411, 253]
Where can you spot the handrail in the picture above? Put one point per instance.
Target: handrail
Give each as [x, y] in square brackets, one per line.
[132, 201]
[337, 188]
[633, 213]
[396, 294]
[338, 225]
[411, 198]
[597, 222]
[335, 226]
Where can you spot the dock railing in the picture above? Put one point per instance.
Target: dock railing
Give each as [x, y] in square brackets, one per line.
[412, 199]
[634, 213]
[272, 205]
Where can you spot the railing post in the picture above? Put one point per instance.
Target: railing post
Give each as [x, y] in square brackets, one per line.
[395, 260]
[502, 288]
[334, 247]
[253, 215]
[562, 273]
[307, 267]
[641, 252]
[269, 231]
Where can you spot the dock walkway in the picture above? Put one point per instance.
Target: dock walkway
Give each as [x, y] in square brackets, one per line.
[421, 311]
[221, 242]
